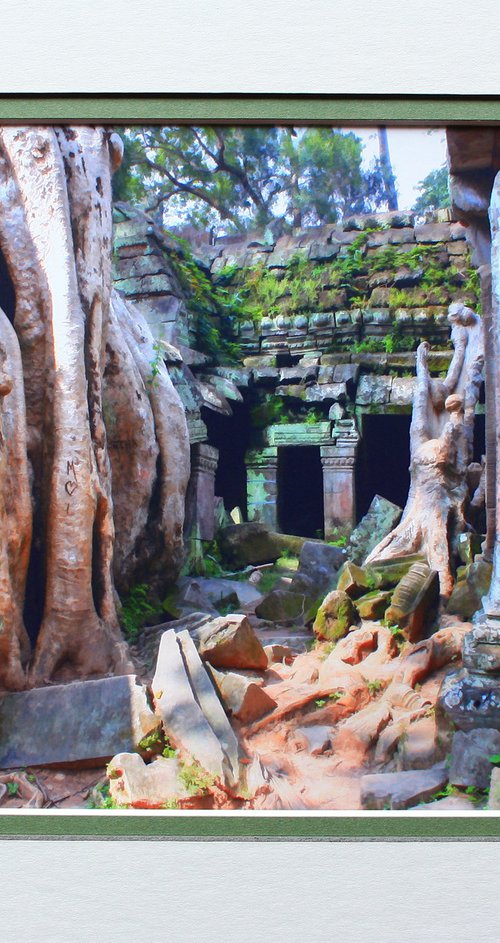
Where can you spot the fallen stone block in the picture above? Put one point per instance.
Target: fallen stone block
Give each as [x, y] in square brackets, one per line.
[381, 517]
[230, 642]
[373, 605]
[149, 640]
[153, 786]
[335, 616]
[388, 573]
[318, 565]
[209, 702]
[253, 543]
[354, 581]
[414, 601]
[245, 700]
[67, 723]
[466, 597]
[183, 719]
[281, 605]
[211, 593]
[470, 764]
[401, 790]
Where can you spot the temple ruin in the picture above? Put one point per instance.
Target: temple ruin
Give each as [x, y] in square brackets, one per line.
[340, 373]
[249, 496]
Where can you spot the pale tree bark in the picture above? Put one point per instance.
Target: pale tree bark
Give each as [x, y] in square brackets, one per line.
[441, 450]
[55, 234]
[15, 511]
[148, 445]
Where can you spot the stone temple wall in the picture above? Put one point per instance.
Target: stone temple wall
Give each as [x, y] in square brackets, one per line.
[363, 281]
[322, 329]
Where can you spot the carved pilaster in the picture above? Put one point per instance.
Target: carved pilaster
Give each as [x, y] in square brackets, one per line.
[262, 487]
[200, 500]
[338, 463]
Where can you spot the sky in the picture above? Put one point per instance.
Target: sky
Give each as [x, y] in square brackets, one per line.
[414, 153]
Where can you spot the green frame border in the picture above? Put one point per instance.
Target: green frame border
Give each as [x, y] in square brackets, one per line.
[253, 109]
[192, 826]
[263, 109]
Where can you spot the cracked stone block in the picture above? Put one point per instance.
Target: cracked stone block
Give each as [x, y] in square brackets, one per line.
[65, 723]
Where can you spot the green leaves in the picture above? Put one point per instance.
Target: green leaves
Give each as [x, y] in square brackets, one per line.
[434, 191]
[237, 178]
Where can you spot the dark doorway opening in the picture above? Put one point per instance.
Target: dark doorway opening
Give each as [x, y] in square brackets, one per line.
[479, 437]
[231, 436]
[300, 491]
[383, 461]
[7, 292]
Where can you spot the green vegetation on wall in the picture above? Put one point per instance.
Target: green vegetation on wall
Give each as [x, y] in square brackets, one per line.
[304, 287]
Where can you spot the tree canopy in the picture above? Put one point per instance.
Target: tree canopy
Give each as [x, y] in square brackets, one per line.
[235, 178]
[434, 191]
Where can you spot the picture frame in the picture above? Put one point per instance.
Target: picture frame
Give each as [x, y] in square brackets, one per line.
[206, 828]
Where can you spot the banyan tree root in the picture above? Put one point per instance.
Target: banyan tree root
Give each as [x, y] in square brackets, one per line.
[55, 237]
[441, 439]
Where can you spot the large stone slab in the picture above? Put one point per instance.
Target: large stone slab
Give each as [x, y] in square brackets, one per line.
[208, 700]
[381, 517]
[182, 717]
[214, 592]
[64, 723]
[242, 545]
[470, 757]
[401, 790]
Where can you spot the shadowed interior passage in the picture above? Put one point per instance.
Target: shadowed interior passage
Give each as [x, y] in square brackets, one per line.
[300, 491]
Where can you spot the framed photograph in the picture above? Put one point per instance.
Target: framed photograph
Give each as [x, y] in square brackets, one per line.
[249, 510]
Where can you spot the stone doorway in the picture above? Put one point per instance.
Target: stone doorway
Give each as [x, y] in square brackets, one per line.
[383, 460]
[230, 435]
[300, 491]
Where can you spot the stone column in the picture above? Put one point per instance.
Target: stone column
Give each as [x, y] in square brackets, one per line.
[200, 515]
[338, 490]
[339, 493]
[262, 487]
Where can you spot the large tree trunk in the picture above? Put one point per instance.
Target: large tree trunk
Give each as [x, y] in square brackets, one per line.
[55, 234]
[441, 448]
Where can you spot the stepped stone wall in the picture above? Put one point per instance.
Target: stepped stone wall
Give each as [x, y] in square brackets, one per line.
[380, 300]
